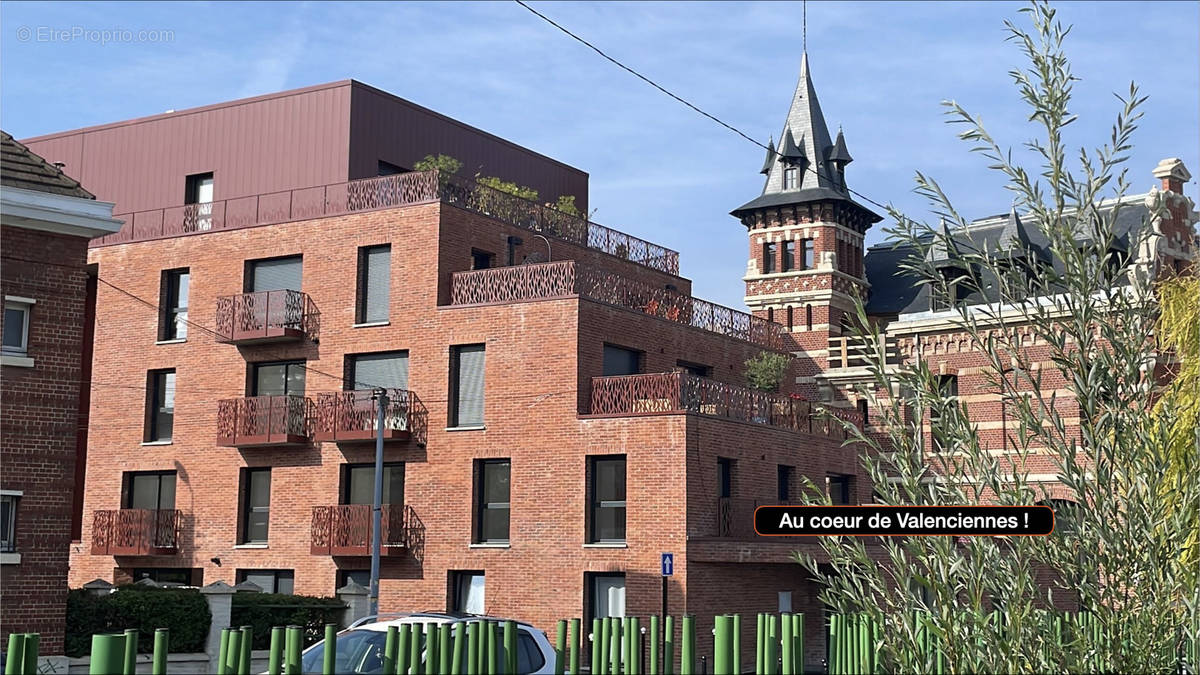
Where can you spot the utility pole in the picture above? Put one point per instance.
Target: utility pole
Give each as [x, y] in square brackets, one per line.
[381, 400]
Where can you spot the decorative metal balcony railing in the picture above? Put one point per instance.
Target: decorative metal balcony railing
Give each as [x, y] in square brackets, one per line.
[263, 421]
[735, 516]
[346, 530]
[851, 351]
[353, 416]
[135, 532]
[567, 278]
[677, 392]
[267, 316]
[385, 192]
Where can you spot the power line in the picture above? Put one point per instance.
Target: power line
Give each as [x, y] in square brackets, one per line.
[714, 118]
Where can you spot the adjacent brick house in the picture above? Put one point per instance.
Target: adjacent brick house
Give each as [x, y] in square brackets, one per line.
[553, 426]
[46, 220]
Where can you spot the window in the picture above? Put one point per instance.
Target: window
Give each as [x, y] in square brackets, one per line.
[608, 499]
[466, 386]
[482, 260]
[169, 576]
[696, 369]
[16, 327]
[466, 591]
[492, 489]
[948, 387]
[255, 506]
[360, 577]
[271, 581]
[785, 602]
[8, 523]
[957, 290]
[770, 250]
[771, 314]
[173, 304]
[387, 169]
[381, 369]
[784, 480]
[358, 483]
[789, 256]
[606, 595]
[621, 361]
[724, 477]
[277, 379]
[789, 179]
[160, 405]
[154, 490]
[862, 411]
[808, 317]
[791, 319]
[374, 283]
[839, 489]
[199, 191]
[807, 255]
[274, 274]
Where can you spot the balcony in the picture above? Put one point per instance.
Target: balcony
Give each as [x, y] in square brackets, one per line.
[676, 393]
[267, 316]
[852, 351]
[567, 278]
[387, 192]
[263, 421]
[352, 417]
[135, 532]
[346, 530]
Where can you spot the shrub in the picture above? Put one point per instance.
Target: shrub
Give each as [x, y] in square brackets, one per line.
[182, 611]
[765, 372]
[264, 611]
[440, 163]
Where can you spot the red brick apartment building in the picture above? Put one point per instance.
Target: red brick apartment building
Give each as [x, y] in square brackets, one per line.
[561, 410]
[46, 220]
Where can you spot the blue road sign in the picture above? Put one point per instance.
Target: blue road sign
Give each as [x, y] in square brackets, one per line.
[668, 564]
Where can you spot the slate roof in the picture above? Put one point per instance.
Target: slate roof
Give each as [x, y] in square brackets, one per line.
[894, 292]
[21, 168]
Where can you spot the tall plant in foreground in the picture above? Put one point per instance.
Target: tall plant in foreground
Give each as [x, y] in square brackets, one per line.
[1119, 553]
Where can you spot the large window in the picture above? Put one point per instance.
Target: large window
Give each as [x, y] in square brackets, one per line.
[270, 581]
[274, 274]
[170, 576]
[466, 385]
[606, 595]
[841, 491]
[154, 490]
[277, 379]
[160, 403]
[199, 191]
[8, 523]
[16, 327]
[492, 490]
[789, 178]
[769, 252]
[607, 490]
[466, 593]
[255, 503]
[358, 483]
[173, 304]
[374, 282]
[381, 369]
[807, 261]
[621, 361]
[789, 256]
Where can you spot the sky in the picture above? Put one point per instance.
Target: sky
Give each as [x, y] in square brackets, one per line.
[657, 169]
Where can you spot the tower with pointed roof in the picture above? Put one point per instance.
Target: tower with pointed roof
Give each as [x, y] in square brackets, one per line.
[806, 231]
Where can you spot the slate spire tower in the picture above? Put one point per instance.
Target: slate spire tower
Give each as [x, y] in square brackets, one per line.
[806, 231]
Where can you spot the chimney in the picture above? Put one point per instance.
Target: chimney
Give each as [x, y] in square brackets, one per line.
[1173, 174]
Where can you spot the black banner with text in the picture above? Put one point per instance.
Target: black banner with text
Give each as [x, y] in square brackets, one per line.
[876, 520]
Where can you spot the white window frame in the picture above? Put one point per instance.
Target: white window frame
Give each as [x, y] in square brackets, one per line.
[19, 356]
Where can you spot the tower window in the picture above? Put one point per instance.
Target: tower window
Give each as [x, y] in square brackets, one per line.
[789, 178]
[770, 249]
[790, 317]
[807, 254]
[771, 314]
[789, 256]
[808, 317]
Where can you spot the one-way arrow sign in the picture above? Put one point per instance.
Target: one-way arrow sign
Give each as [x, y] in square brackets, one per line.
[668, 564]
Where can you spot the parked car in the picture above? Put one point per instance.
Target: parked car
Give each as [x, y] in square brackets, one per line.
[360, 647]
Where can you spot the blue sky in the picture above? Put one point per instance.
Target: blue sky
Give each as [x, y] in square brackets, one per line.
[658, 170]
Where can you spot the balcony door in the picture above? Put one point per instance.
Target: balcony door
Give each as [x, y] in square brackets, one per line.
[358, 486]
[268, 281]
[277, 379]
[151, 490]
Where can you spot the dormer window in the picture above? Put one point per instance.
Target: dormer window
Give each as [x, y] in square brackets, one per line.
[789, 178]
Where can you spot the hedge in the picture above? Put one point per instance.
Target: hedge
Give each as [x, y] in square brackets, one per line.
[181, 610]
[264, 611]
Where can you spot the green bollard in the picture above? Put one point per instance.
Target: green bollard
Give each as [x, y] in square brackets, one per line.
[737, 643]
[759, 641]
[472, 648]
[687, 655]
[433, 649]
[560, 647]
[771, 655]
[131, 645]
[721, 660]
[460, 645]
[275, 660]
[788, 664]
[600, 649]
[234, 653]
[162, 646]
[634, 666]
[389, 650]
[798, 637]
[329, 665]
[294, 647]
[14, 658]
[654, 642]
[29, 658]
[510, 647]
[223, 652]
[493, 653]
[403, 635]
[414, 649]
[597, 645]
[247, 646]
[615, 644]
[627, 643]
[108, 654]
[573, 663]
[444, 647]
[669, 646]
